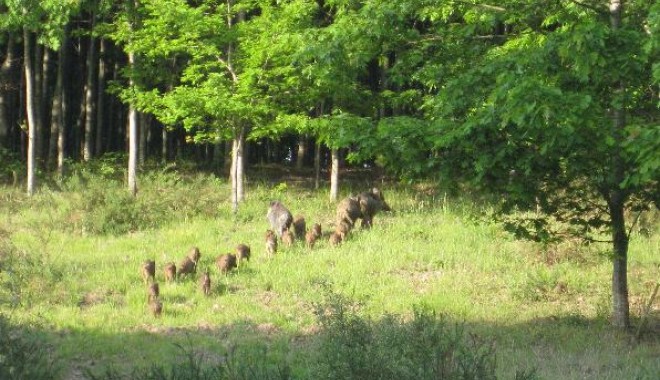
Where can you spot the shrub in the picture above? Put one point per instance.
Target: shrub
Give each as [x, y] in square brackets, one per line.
[427, 347]
[349, 346]
[190, 366]
[102, 205]
[11, 166]
[22, 356]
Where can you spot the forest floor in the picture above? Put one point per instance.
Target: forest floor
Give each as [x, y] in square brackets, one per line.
[75, 251]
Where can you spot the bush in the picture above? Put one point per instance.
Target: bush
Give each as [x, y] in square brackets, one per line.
[427, 347]
[102, 205]
[350, 347]
[190, 366]
[22, 356]
[11, 167]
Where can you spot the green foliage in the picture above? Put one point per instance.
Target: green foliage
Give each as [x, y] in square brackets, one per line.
[47, 18]
[348, 347]
[538, 285]
[239, 365]
[531, 121]
[403, 145]
[104, 207]
[426, 347]
[86, 288]
[26, 277]
[22, 355]
[11, 166]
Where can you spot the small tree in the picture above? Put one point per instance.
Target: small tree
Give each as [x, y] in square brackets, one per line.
[557, 117]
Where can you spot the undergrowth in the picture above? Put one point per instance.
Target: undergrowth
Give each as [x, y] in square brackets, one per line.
[22, 355]
[103, 205]
[69, 257]
[348, 346]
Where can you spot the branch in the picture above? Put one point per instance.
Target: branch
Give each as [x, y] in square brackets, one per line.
[632, 225]
[485, 6]
[490, 37]
[230, 69]
[600, 11]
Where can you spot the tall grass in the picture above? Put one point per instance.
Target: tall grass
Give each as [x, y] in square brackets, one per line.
[505, 308]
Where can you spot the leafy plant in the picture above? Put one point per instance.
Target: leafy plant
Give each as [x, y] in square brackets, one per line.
[426, 347]
[22, 356]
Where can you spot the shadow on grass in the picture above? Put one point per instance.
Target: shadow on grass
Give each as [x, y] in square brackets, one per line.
[343, 345]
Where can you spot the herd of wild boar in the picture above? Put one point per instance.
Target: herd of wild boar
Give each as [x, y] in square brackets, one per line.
[284, 229]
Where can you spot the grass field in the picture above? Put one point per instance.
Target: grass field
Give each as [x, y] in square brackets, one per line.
[71, 258]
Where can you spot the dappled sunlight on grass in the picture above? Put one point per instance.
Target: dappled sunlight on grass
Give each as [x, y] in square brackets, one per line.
[84, 287]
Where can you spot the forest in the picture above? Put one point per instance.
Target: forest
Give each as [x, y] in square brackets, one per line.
[537, 118]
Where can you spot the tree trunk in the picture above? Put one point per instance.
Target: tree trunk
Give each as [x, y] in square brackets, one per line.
[302, 149]
[317, 165]
[240, 165]
[100, 100]
[46, 96]
[61, 135]
[164, 150]
[132, 139]
[620, 305]
[617, 198]
[143, 131]
[228, 160]
[232, 176]
[37, 97]
[334, 175]
[7, 72]
[56, 111]
[90, 102]
[30, 109]
[218, 155]
[237, 168]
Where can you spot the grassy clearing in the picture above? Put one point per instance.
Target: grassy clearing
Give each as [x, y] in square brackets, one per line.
[75, 256]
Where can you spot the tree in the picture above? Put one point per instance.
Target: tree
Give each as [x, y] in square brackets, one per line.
[28, 64]
[555, 112]
[211, 90]
[43, 26]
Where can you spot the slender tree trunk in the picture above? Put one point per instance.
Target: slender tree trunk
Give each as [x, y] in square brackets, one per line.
[232, 175]
[143, 132]
[621, 308]
[56, 113]
[100, 100]
[218, 155]
[334, 175]
[617, 199]
[64, 93]
[37, 97]
[6, 85]
[164, 150]
[90, 102]
[30, 109]
[320, 111]
[46, 96]
[302, 149]
[240, 165]
[132, 139]
[317, 165]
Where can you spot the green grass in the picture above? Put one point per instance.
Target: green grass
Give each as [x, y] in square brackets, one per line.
[76, 262]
